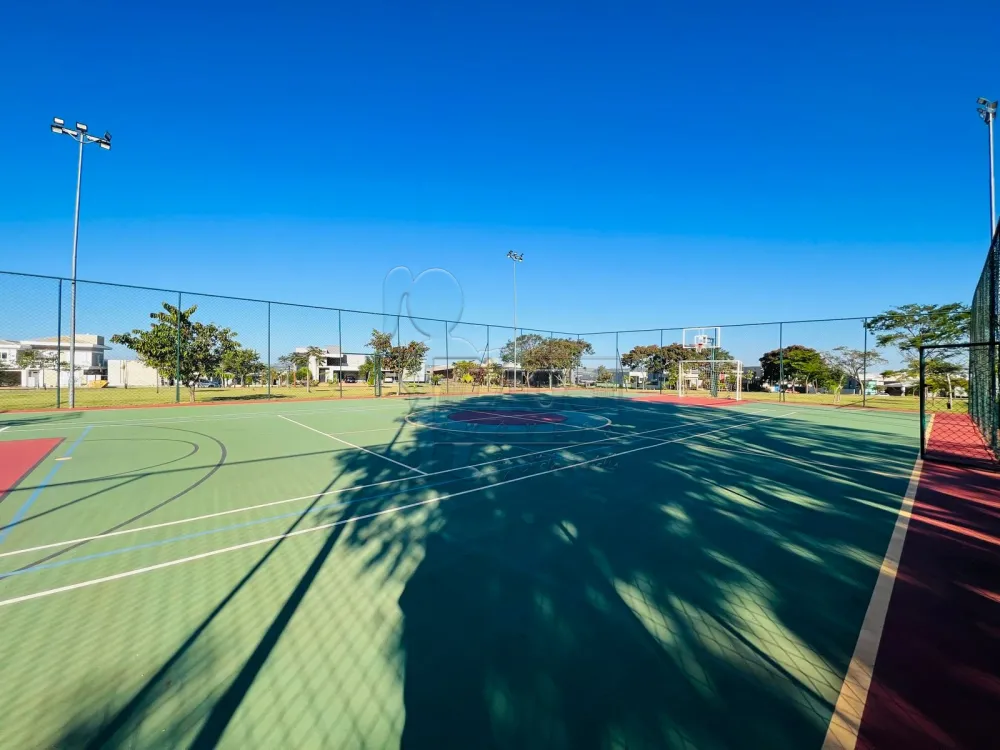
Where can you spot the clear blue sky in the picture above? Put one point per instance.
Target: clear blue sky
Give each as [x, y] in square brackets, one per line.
[657, 163]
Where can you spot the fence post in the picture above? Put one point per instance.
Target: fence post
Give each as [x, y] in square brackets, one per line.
[486, 374]
[340, 346]
[402, 372]
[781, 361]
[446, 358]
[864, 370]
[177, 369]
[618, 361]
[59, 347]
[269, 373]
[663, 374]
[923, 414]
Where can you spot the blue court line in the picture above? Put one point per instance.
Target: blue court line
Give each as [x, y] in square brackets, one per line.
[38, 490]
[219, 530]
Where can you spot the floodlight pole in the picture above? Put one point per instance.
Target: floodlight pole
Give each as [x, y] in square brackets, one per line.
[82, 137]
[516, 258]
[72, 283]
[988, 111]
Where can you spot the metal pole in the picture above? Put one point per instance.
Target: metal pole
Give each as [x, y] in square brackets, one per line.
[781, 362]
[72, 292]
[486, 374]
[177, 370]
[618, 360]
[59, 347]
[340, 346]
[269, 373]
[663, 374]
[923, 415]
[864, 367]
[990, 117]
[446, 374]
[514, 384]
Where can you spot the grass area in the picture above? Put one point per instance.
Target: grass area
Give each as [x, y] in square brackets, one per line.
[40, 398]
[13, 399]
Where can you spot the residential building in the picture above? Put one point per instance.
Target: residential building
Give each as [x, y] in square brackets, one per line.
[46, 352]
[332, 365]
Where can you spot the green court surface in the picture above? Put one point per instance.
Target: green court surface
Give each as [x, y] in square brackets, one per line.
[523, 571]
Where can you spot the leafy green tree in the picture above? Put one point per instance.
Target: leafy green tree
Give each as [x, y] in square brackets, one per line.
[462, 368]
[366, 371]
[202, 345]
[941, 375]
[801, 365]
[242, 363]
[528, 359]
[604, 375]
[909, 327]
[406, 360]
[561, 354]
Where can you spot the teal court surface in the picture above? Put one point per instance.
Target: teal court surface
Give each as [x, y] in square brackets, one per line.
[528, 571]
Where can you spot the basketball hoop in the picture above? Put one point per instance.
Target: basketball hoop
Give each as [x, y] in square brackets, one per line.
[699, 346]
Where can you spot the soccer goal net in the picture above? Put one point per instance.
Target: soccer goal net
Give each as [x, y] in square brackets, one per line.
[720, 378]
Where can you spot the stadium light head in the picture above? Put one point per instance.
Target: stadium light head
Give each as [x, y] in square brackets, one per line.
[104, 144]
[55, 128]
[58, 121]
[515, 256]
[81, 127]
[107, 136]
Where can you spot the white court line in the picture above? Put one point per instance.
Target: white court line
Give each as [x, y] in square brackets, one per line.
[385, 511]
[384, 482]
[845, 722]
[352, 445]
[4, 428]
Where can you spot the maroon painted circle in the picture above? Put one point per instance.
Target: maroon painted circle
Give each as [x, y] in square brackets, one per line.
[507, 417]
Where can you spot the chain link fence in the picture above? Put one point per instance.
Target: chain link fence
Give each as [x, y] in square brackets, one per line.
[145, 346]
[950, 430]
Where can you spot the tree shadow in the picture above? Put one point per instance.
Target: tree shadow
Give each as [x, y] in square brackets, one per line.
[702, 585]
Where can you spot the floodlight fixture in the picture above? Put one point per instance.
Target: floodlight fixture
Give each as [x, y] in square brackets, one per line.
[58, 121]
[81, 127]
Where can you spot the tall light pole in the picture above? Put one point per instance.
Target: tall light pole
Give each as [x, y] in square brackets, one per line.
[81, 136]
[988, 111]
[517, 258]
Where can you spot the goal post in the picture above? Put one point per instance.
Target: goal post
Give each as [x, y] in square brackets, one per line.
[716, 378]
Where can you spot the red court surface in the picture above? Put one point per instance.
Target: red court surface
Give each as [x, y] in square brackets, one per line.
[936, 682]
[19, 457]
[955, 437]
[507, 417]
[670, 398]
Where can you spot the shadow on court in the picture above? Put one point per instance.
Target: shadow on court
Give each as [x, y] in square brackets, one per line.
[706, 592]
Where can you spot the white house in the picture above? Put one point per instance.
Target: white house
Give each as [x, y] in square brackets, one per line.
[332, 364]
[41, 372]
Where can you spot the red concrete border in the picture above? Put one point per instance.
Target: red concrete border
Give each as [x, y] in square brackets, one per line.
[18, 458]
[955, 437]
[936, 682]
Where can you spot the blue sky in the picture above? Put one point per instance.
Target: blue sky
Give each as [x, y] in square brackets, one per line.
[659, 164]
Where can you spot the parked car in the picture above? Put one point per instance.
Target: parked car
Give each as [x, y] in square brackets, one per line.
[350, 379]
[206, 383]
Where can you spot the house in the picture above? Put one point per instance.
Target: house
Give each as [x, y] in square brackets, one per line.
[38, 360]
[333, 364]
[130, 373]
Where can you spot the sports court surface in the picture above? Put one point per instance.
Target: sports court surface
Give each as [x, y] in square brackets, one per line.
[546, 571]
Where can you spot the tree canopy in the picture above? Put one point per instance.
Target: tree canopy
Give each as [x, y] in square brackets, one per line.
[909, 327]
[201, 349]
[535, 352]
[799, 364]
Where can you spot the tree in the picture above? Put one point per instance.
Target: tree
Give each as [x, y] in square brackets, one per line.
[406, 360]
[298, 362]
[798, 364]
[366, 371]
[911, 326]
[657, 361]
[462, 368]
[242, 363]
[202, 345]
[527, 358]
[942, 375]
[604, 375]
[854, 362]
[561, 354]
